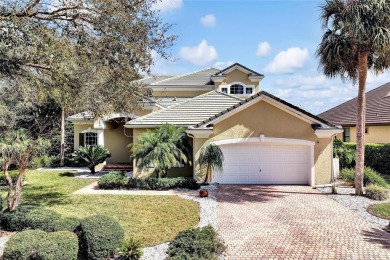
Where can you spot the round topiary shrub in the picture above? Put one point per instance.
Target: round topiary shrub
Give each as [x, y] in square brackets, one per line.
[100, 236]
[28, 217]
[38, 244]
[376, 192]
[70, 224]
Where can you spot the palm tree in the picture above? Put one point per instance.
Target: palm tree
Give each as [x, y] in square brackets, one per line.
[356, 38]
[211, 156]
[161, 149]
[91, 156]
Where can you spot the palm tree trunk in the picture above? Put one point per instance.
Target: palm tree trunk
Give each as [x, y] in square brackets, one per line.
[361, 122]
[207, 173]
[62, 144]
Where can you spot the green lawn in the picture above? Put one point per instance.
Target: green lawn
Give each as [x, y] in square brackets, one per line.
[152, 219]
[380, 210]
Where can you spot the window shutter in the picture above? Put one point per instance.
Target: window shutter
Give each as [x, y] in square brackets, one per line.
[81, 139]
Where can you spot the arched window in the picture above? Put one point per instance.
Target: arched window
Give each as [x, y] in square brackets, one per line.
[236, 89]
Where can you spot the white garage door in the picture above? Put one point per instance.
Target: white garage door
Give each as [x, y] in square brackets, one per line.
[261, 163]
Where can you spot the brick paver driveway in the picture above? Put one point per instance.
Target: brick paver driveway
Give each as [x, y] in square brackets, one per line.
[294, 222]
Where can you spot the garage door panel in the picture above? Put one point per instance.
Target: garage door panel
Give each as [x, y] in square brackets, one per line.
[259, 163]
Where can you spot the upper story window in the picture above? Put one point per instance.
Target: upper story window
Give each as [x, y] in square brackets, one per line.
[224, 90]
[236, 89]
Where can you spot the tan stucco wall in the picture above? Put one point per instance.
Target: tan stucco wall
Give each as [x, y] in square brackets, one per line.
[237, 76]
[376, 134]
[116, 141]
[185, 171]
[266, 119]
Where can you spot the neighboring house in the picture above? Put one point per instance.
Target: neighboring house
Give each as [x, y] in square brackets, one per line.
[265, 140]
[377, 116]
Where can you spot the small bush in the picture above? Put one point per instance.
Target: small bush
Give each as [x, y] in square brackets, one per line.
[131, 250]
[100, 236]
[14, 177]
[28, 217]
[113, 180]
[45, 161]
[376, 192]
[37, 244]
[196, 243]
[370, 177]
[163, 183]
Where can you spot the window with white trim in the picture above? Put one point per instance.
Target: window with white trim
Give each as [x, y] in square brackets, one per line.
[249, 91]
[236, 89]
[88, 138]
[224, 90]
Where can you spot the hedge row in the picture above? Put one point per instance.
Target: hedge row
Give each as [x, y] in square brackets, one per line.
[370, 177]
[377, 157]
[116, 180]
[98, 236]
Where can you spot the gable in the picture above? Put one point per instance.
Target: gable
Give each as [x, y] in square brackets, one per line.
[264, 118]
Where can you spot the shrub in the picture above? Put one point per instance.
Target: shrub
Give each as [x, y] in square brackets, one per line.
[113, 180]
[91, 156]
[162, 183]
[37, 244]
[14, 177]
[196, 243]
[100, 236]
[28, 217]
[45, 161]
[131, 250]
[376, 192]
[370, 177]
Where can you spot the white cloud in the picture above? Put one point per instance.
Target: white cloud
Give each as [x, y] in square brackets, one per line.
[209, 20]
[167, 5]
[288, 61]
[263, 50]
[199, 55]
[222, 64]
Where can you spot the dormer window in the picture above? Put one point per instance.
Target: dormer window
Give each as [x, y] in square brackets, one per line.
[236, 89]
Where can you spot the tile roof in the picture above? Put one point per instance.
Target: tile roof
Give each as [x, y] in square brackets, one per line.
[189, 112]
[252, 72]
[196, 78]
[377, 109]
[156, 78]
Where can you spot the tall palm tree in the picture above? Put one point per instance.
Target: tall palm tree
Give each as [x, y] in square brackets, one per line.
[356, 39]
[161, 149]
[212, 157]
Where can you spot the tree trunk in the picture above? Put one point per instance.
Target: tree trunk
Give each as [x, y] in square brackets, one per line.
[207, 173]
[10, 184]
[19, 183]
[92, 168]
[62, 145]
[361, 122]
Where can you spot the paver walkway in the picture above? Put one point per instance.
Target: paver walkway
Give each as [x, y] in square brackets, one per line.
[294, 222]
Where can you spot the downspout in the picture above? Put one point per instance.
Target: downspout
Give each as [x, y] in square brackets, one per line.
[332, 178]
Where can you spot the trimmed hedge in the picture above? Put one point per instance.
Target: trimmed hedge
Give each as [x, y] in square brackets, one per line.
[376, 192]
[99, 237]
[370, 177]
[196, 243]
[28, 217]
[116, 180]
[37, 244]
[377, 157]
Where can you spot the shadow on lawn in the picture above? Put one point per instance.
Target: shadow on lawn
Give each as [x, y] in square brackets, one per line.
[378, 236]
[67, 174]
[44, 196]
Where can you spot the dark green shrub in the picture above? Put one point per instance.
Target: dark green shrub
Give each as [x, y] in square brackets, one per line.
[70, 224]
[100, 236]
[113, 180]
[14, 177]
[91, 156]
[376, 192]
[196, 243]
[28, 217]
[45, 161]
[131, 249]
[37, 244]
[162, 183]
[345, 154]
[370, 177]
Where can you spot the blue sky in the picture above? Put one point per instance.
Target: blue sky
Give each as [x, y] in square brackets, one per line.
[275, 38]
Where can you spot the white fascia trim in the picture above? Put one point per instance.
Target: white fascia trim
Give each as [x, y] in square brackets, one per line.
[238, 67]
[151, 126]
[263, 139]
[327, 133]
[255, 78]
[218, 78]
[81, 122]
[199, 133]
